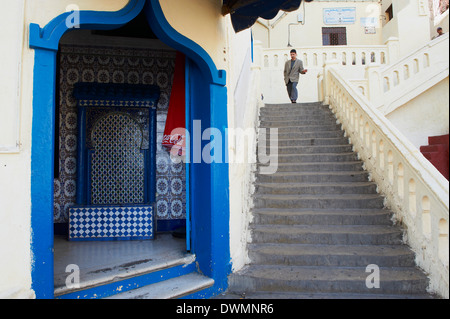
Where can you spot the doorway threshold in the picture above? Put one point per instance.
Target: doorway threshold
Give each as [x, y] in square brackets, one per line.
[106, 268]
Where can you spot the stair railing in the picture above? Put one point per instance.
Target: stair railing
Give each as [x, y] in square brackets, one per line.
[414, 189]
[391, 86]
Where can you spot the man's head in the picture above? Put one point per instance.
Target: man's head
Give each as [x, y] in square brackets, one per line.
[439, 30]
[293, 54]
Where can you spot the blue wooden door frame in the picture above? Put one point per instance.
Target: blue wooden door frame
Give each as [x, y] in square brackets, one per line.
[210, 218]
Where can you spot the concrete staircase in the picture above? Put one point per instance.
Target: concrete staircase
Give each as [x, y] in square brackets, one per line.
[318, 222]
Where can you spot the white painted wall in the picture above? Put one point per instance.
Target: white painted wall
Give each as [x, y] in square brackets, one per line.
[410, 24]
[202, 22]
[274, 33]
[15, 135]
[424, 116]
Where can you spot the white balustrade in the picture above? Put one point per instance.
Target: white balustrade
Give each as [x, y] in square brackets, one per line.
[414, 190]
[317, 56]
[353, 60]
[409, 76]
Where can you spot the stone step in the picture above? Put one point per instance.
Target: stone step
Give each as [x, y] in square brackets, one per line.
[318, 167]
[327, 234]
[308, 128]
[316, 188]
[331, 255]
[319, 201]
[283, 112]
[294, 109]
[307, 141]
[304, 122]
[272, 216]
[265, 133]
[169, 289]
[316, 158]
[303, 135]
[276, 278]
[294, 105]
[314, 177]
[108, 281]
[318, 222]
[311, 149]
[302, 116]
[283, 118]
[329, 296]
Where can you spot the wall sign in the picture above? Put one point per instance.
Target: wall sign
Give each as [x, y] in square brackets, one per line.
[369, 22]
[339, 15]
[370, 30]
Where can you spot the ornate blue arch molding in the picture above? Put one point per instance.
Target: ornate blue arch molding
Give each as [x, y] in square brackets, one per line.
[45, 42]
[165, 32]
[48, 37]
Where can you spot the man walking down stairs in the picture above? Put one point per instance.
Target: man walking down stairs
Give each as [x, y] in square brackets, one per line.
[320, 229]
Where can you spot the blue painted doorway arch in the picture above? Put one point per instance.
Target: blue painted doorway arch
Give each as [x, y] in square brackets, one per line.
[207, 96]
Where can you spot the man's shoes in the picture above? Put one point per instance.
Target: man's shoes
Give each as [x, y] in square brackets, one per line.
[294, 101]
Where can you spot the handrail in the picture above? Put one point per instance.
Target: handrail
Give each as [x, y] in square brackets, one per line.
[330, 47]
[414, 190]
[414, 73]
[350, 55]
[430, 44]
[394, 85]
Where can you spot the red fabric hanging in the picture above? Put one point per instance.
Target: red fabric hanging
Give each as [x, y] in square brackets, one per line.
[174, 132]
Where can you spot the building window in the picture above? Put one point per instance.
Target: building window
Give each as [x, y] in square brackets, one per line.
[334, 36]
[389, 13]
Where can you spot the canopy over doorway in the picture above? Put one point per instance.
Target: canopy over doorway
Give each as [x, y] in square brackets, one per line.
[244, 13]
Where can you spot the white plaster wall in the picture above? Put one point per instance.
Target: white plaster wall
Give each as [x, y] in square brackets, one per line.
[242, 115]
[202, 22]
[310, 32]
[424, 116]
[442, 22]
[410, 24]
[43, 11]
[437, 19]
[15, 128]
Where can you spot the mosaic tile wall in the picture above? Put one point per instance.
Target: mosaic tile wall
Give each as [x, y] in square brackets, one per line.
[116, 65]
[118, 166]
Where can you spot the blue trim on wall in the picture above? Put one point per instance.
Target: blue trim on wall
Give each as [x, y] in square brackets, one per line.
[82, 160]
[42, 159]
[166, 33]
[45, 42]
[49, 36]
[188, 155]
[209, 182]
[252, 46]
[220, 193]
